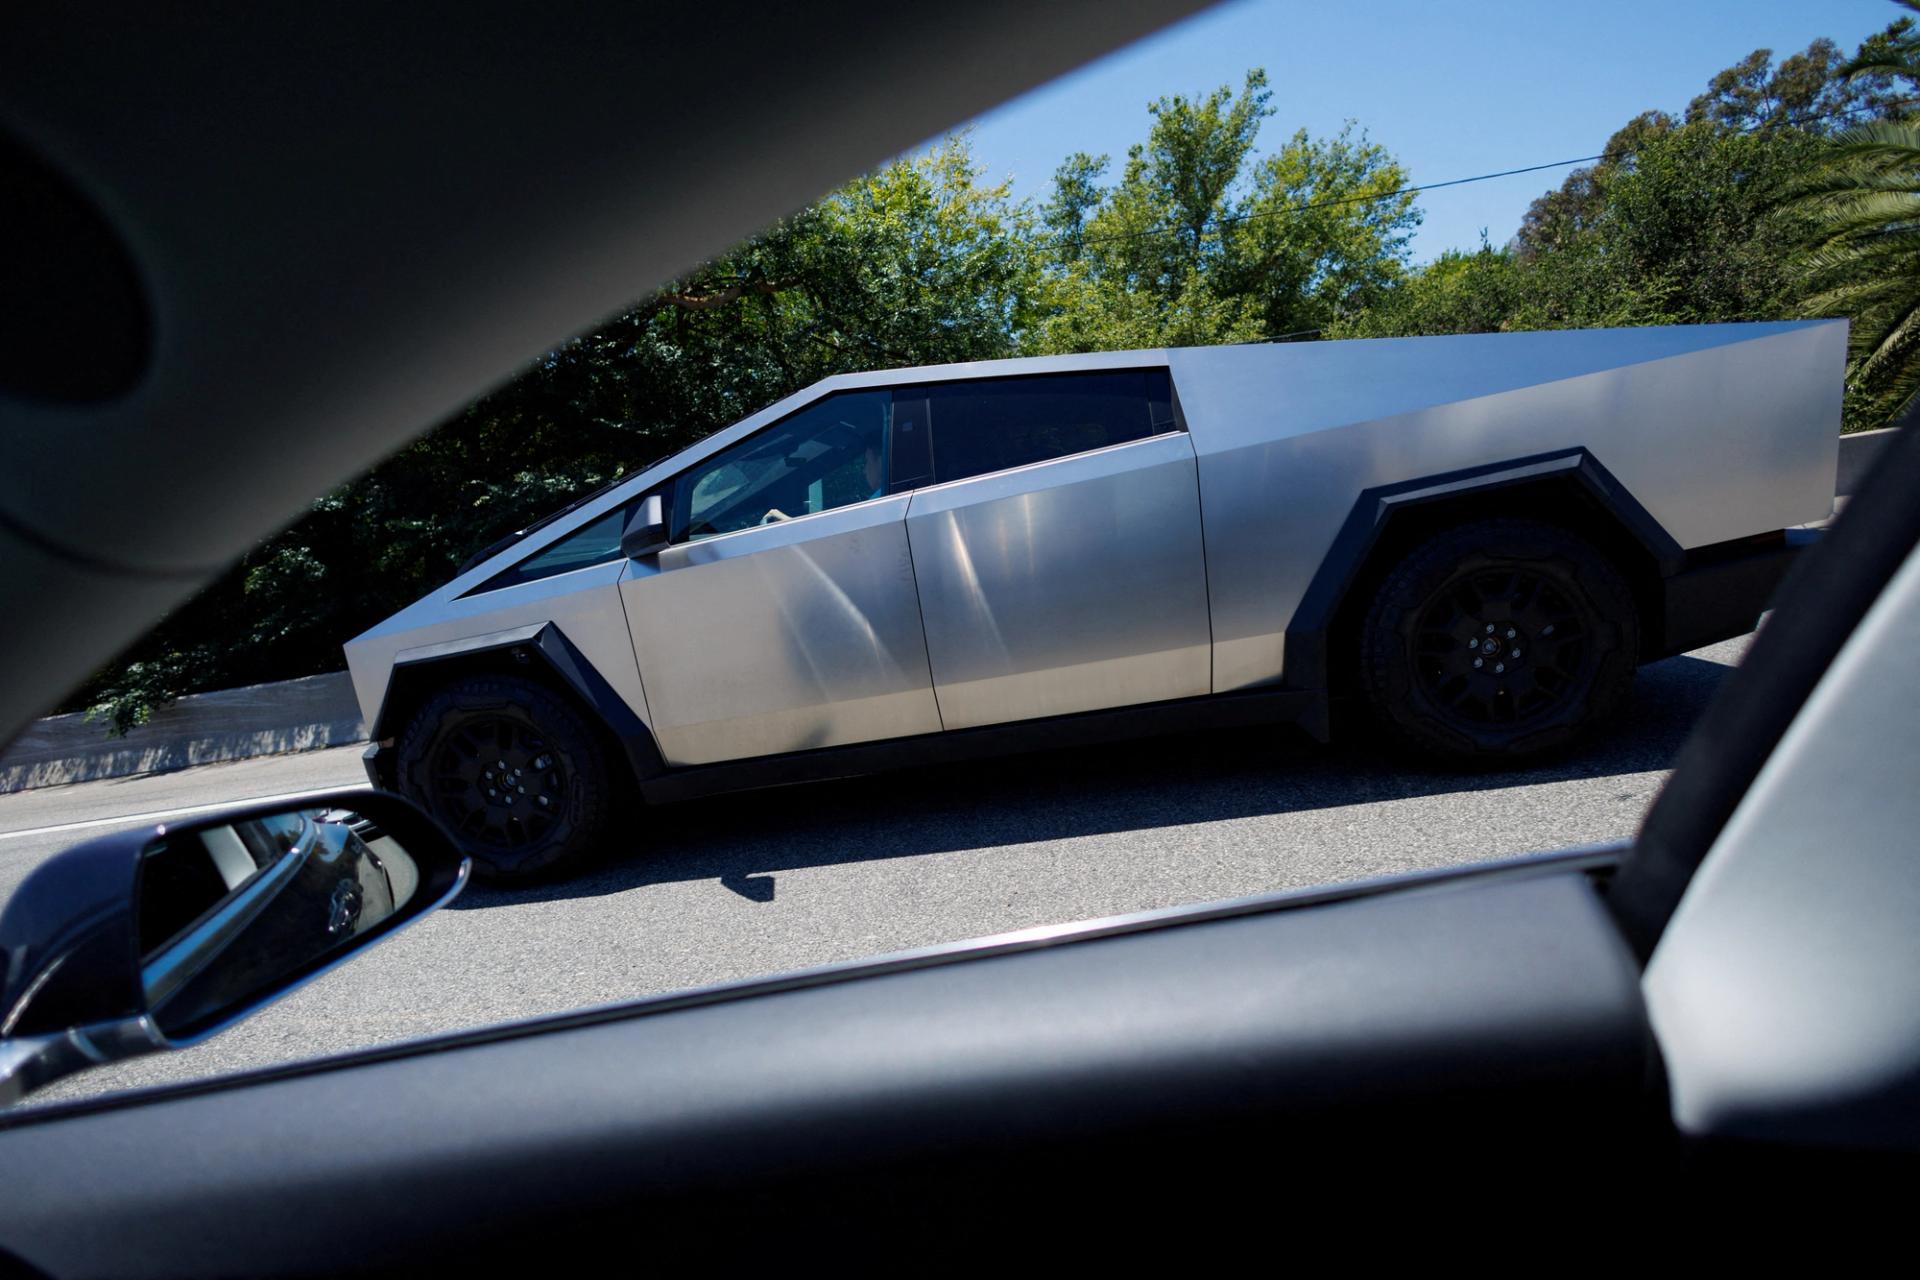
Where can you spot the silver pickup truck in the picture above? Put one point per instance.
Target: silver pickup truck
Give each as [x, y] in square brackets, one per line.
[1470, 542]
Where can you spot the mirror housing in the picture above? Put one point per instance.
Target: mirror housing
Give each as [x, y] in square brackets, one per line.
[646, 533]
[159, 937]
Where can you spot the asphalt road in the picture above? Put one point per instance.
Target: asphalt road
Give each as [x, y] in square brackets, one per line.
[736, 887]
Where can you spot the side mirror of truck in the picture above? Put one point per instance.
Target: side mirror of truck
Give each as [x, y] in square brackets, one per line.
[646, 533]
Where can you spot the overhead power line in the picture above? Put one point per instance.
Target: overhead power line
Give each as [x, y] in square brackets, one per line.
[1342, 200]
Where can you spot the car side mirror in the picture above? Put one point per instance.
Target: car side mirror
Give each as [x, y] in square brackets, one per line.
[157, 938]
[646, 533]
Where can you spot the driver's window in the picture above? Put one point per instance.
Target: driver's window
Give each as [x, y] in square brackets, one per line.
[829, 454]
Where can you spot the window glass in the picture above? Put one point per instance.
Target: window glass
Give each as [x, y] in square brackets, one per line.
[1009, 422]
[594, 543]
[830, 454]
[183, 877]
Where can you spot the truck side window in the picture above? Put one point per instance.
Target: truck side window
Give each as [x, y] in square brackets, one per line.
[591, 544]
[997, 424]
[830, 454]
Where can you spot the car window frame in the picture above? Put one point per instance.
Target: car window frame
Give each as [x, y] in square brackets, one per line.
[671, 488]
[508, 577]
[1176, 421]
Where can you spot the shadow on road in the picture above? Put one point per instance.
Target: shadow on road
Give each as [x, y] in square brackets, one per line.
[743, 841]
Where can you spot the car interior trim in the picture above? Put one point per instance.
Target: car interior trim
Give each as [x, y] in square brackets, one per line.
[1597, 862]
[1823, 597]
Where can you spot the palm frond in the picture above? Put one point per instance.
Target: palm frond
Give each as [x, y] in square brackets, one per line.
[1857, 299]
[1862, 234]
[1860, 249]
[1841, 180]
[1889, 347]
[1901, 57]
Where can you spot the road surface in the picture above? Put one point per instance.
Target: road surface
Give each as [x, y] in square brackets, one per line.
[741, 886]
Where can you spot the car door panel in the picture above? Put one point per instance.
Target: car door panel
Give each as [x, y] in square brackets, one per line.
[1070, 585]
[1485, 1021]
[799, 634]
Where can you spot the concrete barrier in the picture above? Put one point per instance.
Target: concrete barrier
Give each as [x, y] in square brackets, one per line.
[1858, 453]
[202, 728]
[320, 711]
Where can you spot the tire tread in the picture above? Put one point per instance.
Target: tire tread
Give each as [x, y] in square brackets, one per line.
[590, 798]
[1386, 678]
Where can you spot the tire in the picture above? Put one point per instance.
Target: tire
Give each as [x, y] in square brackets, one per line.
[512, 770]
[1550, 620]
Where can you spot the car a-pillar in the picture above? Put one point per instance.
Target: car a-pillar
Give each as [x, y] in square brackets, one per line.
[1485, 616]
[519, 748]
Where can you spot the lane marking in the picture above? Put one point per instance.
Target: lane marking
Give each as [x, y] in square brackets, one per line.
[158, 814]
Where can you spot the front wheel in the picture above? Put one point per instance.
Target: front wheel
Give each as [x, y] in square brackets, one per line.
[1499, 641]
[512, 770]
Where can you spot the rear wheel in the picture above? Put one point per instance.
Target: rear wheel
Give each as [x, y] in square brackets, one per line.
[512, 770]
[1498, 641]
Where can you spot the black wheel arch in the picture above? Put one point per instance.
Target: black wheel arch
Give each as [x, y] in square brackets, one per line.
[1569, 488]
[539, 652]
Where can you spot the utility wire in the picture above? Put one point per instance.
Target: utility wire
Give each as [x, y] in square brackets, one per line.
[1326, 204]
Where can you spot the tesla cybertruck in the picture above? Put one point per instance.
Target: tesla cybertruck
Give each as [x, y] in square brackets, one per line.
[1468, 541]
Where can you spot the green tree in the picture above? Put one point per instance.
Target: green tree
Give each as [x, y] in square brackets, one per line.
[1200, 242]
[1805, 91]
[1675, 225]
[1178, 185]
[1688, 220]
[1324, 234]
[1679, 230]
[1861, 253]
[1198, 239]
[1076, 197]
[1458, 292]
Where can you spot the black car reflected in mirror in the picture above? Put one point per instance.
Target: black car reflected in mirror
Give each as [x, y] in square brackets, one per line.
[159, 937]
[226, 912]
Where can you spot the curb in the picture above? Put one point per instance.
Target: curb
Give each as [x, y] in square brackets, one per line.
[320, 711]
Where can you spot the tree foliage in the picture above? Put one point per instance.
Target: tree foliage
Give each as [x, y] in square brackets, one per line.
[1202, 241]
[1676, 225]
[1806, 90]
[1861, 252]
[1706, 218]
[1458, 292]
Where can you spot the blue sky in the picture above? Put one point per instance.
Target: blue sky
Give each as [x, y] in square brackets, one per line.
[1452, 89]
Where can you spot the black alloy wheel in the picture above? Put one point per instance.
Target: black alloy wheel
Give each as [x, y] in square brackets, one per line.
[1502, 645]
[498, 782]
[1498, 641]
[513, 772]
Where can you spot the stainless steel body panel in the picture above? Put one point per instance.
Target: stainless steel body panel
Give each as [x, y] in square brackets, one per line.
[1719, 431]
[369, 655]
[800, 634]
[1069, 585]
[584, 604]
